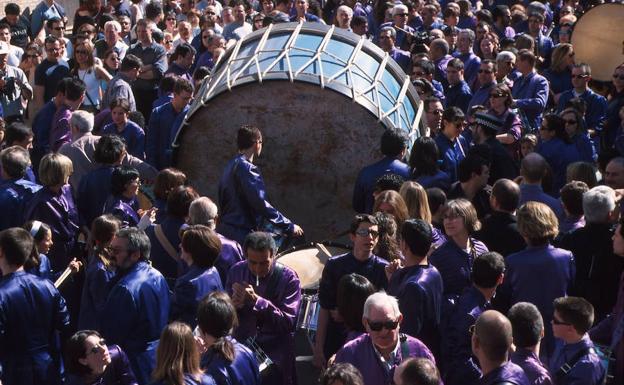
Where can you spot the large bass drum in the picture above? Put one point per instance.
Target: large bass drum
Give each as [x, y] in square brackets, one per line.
[322, 98]
[598, 40]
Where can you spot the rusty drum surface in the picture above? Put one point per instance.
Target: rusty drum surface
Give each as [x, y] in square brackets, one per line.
[598, 39]
[322, 98]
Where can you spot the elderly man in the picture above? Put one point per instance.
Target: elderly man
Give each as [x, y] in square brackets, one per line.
[82, 148]
[16, 190]
[491, 341]
[598, 269]
[505, 72]
[267, 296]
[387, 38]
[465, 41]
[112, 41]
[530, 91]
[439, 52]
[142, 292]
[378, 352]
[154, 58]
[344, 14]
[239, 28]
[14, 88]
[404, 32]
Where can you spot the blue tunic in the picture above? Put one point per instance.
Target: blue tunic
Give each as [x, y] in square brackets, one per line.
[94, 294]
[169, 267]
[536, 372]
[588, 369]
[230, 254]
[272, 319]
[190, 289]
[419, 291]
[124, 209]
[45, 268]
[471, 65]
[534, 193]
[15, 194]
[59, 212]
[204, 379]
[458, 95]
[363, 199]
[31, 311]
[509, 372]
[163, 125]
[481, 96]
[142, 293]
[440, 180]
[118, 372]
[243, 370]
[531, 95]
[93, 191]
[133, 135]
[243, 202]
[451, 154]
[559, 155]
[457, 348]
[559, 81]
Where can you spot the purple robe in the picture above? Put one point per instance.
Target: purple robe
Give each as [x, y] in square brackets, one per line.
[271, 320]
[124, 209]
[59, 212]
[189, 290]
[509, 372]
[361, 354]
[230, 254]
[60, 132]
[535, 371]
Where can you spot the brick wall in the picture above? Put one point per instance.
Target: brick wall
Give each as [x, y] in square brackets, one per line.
[69, 5]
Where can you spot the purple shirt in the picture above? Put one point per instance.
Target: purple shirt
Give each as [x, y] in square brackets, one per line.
[509, 372]
[61, 131]
[133, 135]
[361, 354]
[273, 318]
[230, 254]
[535, 371]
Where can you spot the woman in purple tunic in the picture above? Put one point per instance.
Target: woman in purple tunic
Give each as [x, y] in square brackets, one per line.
[133, 134]
[123, 202]
[88, 360]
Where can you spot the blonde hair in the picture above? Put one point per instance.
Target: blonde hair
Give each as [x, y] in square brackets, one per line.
[415, 198]
[394, 199]
[177, 355]
[537, 223]
[54, 169]
[464, 209]
[558, 56]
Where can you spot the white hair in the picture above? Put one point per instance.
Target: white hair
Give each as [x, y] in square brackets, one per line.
[506, 56]
[115, 25]
[381, 300]
[345, 8]
[82, 121]
[203, 211]
[598, 203]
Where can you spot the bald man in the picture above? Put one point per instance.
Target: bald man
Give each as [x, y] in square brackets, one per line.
[491, 340]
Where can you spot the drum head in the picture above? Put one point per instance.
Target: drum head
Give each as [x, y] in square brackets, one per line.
[308, 262]
[598, 39]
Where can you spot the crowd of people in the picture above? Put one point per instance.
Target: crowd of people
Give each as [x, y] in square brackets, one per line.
[490, 252]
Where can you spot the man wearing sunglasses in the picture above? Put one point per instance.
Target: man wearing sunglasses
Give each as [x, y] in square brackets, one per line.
[382, 348]
[364, 233]
[596, 105]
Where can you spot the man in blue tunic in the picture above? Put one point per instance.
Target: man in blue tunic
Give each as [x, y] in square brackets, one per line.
[393, 148]
[491, 341]
[137, 308]
[418, 285]
[487, 273]
[331, 332]
[31, 311]
[530, 91]
[457, 91]
[574, 361]
[242, 195]
[378, 352]
[266, 295]
[16, 190]
[164, 123]
[451, 144]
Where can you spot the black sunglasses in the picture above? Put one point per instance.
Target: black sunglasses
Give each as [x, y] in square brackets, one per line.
[377, 326]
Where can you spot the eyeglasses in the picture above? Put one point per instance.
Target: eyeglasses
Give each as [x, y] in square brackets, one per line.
[616, 76]
[99, 347]
[485, 71]
[377, 326]
[583, 76]
[367, 232]
[557, 322]
[570, 121]
[168, 41]
[500, 95]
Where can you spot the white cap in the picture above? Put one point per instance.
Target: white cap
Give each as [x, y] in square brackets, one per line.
[4, 48]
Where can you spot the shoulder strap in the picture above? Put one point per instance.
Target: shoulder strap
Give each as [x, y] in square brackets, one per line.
[404, 347]
[164, 242]
[566, 367]
[276, 276]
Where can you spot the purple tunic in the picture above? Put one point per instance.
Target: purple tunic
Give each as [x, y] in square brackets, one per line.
[59, 212]
[588, 370]
[535, 371]
[60, 132]
[133, 135]
[509, 372]
[190, 289]
[361, 353]
[94, 294]
[124, 209]
[271, 320]
[230, 254]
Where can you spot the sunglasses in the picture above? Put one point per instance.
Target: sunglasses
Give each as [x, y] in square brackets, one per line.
[377, 326]
[485, 71]
[570, 121]
[497, 95]
[616, 76]
[583, 76]
[210, 13]
[367, 232]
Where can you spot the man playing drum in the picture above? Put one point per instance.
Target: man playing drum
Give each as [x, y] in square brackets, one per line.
[331, 333]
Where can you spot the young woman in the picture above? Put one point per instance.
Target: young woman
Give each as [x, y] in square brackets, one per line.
[122, 202]
[91, 74]
[391, 202]
[132, 133]
[424, 164]
[39, 264]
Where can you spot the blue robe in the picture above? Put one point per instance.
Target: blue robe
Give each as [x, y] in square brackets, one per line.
[536, 372]
[163, 126]
[93, 191]
[59, 212]
[509, 372]
[243, 370]
[15, 194]
[44, 270]
[230, 254]
[188, 380]
[142, 293]
[588, 369]
[530, 94]
[531, 192]
[419, 291]
[458, 95]
[31, 311]
[94, 294]
[133, 135]
[272, 319]
[559, 155]
[243, 203]
[169, 267]
[118, 372]
[451, 154]
[124, 209]
[363, 200]
[190, 289]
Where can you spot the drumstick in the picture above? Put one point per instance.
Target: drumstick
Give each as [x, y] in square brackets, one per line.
[63, 277]
[324, 249]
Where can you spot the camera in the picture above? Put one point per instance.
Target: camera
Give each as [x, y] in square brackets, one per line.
[9, 84]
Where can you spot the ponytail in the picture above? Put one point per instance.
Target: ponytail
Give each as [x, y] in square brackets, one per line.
[224, 347]
[34, 259]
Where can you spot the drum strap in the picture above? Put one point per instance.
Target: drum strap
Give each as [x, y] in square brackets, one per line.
[164, 242]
